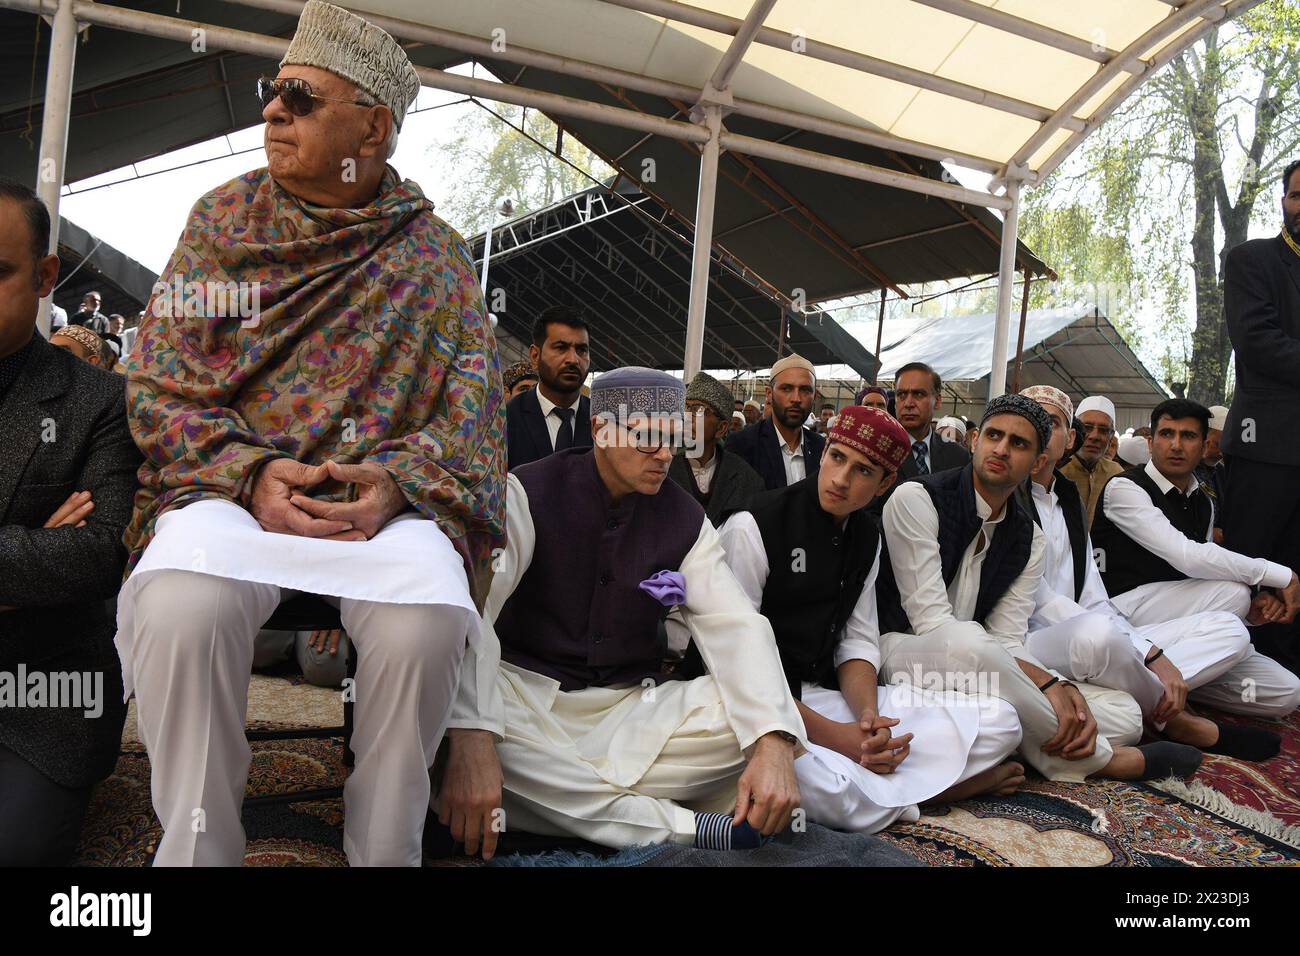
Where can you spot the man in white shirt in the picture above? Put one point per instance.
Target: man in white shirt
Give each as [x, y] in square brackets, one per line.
[1076, 631]
[1153, 530]
[807, 557]
[955, 598]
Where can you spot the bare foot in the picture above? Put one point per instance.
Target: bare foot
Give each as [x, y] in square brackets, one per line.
[1002, 781]
[1188, 728]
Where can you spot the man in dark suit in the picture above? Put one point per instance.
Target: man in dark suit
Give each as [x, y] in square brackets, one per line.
[67, 478]
[555, 415]
[1261, 440]
[779, 447]
[918, 396]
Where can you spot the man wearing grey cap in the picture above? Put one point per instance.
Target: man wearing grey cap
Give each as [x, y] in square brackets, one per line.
[1090, 468]
[721, 482]
[337, 430]
[569, 718]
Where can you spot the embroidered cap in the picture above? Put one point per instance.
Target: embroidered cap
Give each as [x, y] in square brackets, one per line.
[1051, 395]
[873, 432]
[1026, 408]
[633, 390]
[331, 38]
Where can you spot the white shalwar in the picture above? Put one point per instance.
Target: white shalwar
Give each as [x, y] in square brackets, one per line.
[1089, 640]
[956, 736]
[187, 619]
[627, 765]
[946, 645]
[1217, 589]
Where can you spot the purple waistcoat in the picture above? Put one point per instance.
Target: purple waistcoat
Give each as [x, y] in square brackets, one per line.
[578, 615]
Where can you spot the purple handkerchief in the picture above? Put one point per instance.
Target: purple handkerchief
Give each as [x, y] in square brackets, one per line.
[666, 587]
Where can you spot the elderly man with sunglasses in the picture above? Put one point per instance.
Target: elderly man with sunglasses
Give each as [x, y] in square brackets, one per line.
[569, 721]
[316, 391]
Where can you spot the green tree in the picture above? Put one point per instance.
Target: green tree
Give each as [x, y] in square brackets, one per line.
[1174, 180]
[513, 153]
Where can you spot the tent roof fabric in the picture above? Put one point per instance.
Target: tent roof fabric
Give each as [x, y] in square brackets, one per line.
[621, 256]
[87, 263]
[1076, 349]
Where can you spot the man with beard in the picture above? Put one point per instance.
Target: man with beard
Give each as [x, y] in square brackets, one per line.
[918, 396]
[1261, 442]
[780, 448]
[1078, 632]
[1154, 528]
[1091, 467]
[555, 415]
[956, 594]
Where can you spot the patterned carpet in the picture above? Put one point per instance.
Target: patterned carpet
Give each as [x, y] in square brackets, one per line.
[1046, 824]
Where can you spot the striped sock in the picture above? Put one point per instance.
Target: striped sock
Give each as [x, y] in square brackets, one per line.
[714, 831]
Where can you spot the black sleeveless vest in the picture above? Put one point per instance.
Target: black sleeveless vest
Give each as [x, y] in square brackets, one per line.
[816, 572]
[1125, 564]
[1076, 521]
[953, 494]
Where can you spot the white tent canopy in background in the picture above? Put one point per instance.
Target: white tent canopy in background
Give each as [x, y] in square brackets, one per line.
[1076, 349]
[1009, 87]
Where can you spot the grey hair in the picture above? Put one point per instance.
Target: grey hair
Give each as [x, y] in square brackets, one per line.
[366, 99]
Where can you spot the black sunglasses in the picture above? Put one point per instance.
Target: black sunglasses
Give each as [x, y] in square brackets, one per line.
[296, 95]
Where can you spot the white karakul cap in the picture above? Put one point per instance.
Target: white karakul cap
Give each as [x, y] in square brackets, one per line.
[1097, 403]
[331, 38]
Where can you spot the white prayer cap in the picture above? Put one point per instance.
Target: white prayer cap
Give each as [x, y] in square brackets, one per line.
[794, 361]
[949, 422]
[1097, 403]
[738, 418]
[1134, 450]
[1218, 417]
[754, 405]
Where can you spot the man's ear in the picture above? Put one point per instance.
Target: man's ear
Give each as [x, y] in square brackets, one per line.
[886, 483]
[534, 353]
[1039, 462]
[1074, 436]
[374, 142]
[47, 273]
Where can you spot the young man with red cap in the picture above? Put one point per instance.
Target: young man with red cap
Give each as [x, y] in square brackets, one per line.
[807, 556]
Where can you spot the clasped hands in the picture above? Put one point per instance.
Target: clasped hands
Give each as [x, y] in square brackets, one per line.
[877, 749]
[1276, 607]
[280, 502]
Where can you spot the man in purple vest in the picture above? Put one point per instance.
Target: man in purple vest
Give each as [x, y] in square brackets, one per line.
[569, 721]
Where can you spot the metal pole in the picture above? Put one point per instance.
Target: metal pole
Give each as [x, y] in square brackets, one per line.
[880, 334]
[694, 357]
[54, 131]
[1020, 339]
[1006, 271]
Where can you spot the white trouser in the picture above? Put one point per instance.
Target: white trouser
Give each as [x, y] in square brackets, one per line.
[1094, 647]
[839, 793]
[193, 650]
[1254, 684]
[952, 652]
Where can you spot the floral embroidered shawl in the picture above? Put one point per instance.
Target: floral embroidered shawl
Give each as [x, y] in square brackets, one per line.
[372, 344]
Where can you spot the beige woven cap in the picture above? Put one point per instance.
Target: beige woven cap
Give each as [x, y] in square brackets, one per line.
[331, 38]
[794, 361]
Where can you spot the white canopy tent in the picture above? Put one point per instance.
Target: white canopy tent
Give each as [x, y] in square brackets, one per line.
[1077, 349]
[1007, 87]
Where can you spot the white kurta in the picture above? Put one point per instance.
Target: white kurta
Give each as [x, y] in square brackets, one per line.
[945, 640]
[615, 765]
[955, 736]
[1217, 584]
[1089, 640]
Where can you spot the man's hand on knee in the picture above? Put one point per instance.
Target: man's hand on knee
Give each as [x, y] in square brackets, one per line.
[275, 485]
[767, 793]
[469, 803]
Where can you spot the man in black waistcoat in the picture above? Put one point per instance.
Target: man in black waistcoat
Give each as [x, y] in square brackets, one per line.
[1154, 533]
[569, 720]
[721, 481]
[1077, 632]
[67, 477]
[807, 557]
[955, 597]
[1261, 440]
